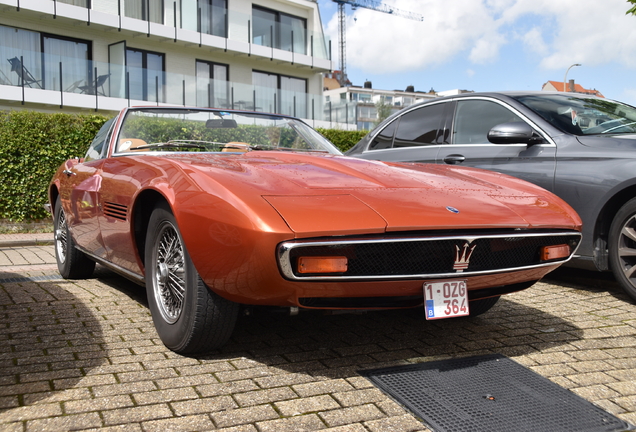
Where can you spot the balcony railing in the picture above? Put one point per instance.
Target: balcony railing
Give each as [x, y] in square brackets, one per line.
[72, 76]
[186, 15]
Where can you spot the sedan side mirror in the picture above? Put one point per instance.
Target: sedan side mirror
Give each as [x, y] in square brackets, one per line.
[513, 133]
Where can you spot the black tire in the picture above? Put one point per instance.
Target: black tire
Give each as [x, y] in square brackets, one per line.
[622, 247]
[478, 307]
[71, 262]
[188, 316]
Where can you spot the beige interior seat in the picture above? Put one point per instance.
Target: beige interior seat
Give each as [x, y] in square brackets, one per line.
[236, 146]
[130, 144]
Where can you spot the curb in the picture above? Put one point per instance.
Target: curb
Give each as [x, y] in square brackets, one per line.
[44, 241]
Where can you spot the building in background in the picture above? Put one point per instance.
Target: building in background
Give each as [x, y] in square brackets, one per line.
[570, 86]
[103, 55]
[359, 105]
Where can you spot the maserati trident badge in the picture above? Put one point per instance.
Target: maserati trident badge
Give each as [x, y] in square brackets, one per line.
[462, 257]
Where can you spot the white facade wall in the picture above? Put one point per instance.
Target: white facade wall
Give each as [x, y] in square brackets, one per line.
[242, 57]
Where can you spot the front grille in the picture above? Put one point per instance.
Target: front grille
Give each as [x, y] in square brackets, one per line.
[426, 257]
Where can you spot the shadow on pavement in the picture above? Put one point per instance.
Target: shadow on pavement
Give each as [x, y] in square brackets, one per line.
[337, 346]
[52, 335]
[588, 281]
[49, 339]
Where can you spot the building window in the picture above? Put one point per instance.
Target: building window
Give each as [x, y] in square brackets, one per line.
[275, 29]
[361, 97]
[365, 126]
[145, 75]
[213, 19]
[366, 112]
[212, 84]
[280, 94]
[34, 59]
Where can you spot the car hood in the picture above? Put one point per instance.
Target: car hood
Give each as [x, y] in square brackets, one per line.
[320, 195]
[619, 142]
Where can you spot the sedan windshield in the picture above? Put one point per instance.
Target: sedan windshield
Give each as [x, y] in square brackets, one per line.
[206, 130]
[581, 115]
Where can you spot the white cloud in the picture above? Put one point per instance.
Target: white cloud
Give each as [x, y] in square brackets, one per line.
[385, 43]
[534, 42]
[558, 32]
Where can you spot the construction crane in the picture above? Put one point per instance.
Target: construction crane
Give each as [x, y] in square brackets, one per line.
[368, 4]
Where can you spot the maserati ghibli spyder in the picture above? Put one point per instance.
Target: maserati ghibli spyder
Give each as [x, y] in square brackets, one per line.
[214, 210]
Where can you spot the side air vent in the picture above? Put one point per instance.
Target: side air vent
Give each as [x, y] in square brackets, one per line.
[116, 211]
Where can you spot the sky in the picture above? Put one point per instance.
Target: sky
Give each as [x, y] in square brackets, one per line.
[490, 45]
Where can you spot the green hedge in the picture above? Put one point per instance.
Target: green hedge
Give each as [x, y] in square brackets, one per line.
[344, 140]
[33, 145]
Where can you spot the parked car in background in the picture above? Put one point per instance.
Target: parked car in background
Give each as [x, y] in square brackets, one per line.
[582, 148]
[213, 209]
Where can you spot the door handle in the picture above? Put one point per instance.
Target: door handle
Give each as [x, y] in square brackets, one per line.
[454, 159]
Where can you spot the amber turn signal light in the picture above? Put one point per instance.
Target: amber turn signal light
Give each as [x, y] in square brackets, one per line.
[322, 264]
[555, 252]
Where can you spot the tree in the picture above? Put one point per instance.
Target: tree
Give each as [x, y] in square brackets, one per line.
[384, 110]
[633, 9]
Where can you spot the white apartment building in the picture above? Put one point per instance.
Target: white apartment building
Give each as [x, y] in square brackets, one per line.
[103, 55]
[357, 105]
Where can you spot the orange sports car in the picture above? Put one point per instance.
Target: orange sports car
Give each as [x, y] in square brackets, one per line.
[213, 210]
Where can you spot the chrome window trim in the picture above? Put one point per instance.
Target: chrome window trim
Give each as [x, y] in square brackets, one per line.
[545, 135]
[284, 249]
[401, 113]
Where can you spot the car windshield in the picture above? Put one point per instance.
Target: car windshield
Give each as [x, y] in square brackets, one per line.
[206, 130]
[581, 115]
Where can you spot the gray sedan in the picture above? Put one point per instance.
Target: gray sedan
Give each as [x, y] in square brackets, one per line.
[581, 147]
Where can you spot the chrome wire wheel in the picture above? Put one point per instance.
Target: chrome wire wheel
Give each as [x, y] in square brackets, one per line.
[627, 249]
[61, 237]
[170, 277]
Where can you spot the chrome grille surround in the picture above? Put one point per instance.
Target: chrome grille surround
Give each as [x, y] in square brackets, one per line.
[446, 249]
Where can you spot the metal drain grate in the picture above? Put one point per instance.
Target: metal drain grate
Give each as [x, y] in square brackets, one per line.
[489, 393]
[32, 279]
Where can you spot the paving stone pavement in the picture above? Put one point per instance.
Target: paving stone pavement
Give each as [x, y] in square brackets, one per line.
[84, 355]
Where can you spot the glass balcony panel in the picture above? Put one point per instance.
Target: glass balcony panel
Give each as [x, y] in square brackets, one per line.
[106, 6]
[320, 45]
[20, 48]
[264, 28]
[239, 26]
[213, 17]
[81, 3]
[136, 82]
[292, 35]
[147, 10]
[213, 93]
[339, 112]
[188, 15]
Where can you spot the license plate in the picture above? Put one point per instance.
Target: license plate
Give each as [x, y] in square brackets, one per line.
[446, 299]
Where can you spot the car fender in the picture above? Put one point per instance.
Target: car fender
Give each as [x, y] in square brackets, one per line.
[611, 201]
